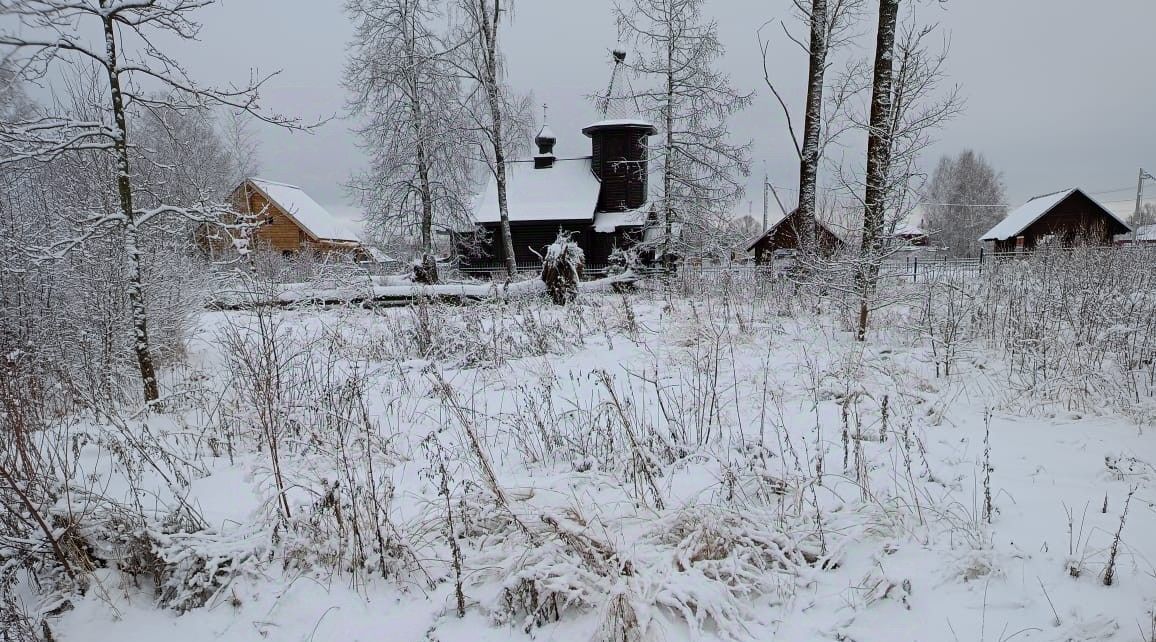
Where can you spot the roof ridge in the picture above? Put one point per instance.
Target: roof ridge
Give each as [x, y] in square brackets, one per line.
[271, 182]
[1059, 191]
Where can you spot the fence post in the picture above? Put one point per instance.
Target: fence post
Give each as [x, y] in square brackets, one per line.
[915, 269]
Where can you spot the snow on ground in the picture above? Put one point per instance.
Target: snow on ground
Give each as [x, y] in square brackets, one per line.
[656, 462]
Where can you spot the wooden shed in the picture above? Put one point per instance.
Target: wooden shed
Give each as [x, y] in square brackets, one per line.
[1068, 217]
[791, 233]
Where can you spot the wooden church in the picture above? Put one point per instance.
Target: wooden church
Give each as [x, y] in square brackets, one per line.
[602, 199]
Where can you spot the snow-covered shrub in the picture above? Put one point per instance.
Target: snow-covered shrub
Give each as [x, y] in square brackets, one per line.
[347, 466]
[489, 335]
[700, 565]
[1077, 326]
[18, 625]
[562, 269]
[305, 399]
[621, 261]
[190, 569]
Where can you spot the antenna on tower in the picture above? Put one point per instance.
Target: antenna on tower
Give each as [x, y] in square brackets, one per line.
[619, 57]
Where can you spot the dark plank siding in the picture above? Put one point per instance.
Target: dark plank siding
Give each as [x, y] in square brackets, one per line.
[786, 236]
[1073, 221]
[539, 234]
[619, 161]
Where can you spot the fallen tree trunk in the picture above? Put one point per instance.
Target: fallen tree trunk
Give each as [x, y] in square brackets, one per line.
[403, 295]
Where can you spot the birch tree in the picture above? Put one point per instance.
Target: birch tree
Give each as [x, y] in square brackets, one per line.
[405, 90]
[830, 23]
[119, 39]
[479, 61]
[906, 107]
[689, 100]
[878, 161]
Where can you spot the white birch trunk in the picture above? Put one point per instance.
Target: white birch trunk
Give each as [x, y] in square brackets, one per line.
[133, 286]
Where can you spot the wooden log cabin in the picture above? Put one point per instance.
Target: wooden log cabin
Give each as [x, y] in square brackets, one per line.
[792, 233]
[1068, 217]
[288, 221]
[602, 199]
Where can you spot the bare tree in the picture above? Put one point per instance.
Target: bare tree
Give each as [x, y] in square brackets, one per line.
[54, 33]
[878, 159]
[963, 200]
[691, 101]
[494, 118]
[180, 157]
[905, 110]
[831, 23]
[242, 146]
[402, 84]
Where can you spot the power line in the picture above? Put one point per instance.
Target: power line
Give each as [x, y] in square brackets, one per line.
[1114, 191]
[964, 204]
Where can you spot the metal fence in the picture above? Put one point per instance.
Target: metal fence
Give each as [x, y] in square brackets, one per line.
[697, 279]
[914, 268]
[498, 270]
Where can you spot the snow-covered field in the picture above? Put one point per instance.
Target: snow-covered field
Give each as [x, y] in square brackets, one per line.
[647, 466]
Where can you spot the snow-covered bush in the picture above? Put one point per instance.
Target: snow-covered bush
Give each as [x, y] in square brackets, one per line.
[621, 261]
[1077, 326]
[562, 269]
[490, 335]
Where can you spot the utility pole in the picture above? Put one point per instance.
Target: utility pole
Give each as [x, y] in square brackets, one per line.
[1136, 220]
[766, 184]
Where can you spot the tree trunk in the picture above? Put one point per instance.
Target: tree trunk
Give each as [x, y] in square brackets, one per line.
[429, 266]
[493, 91]
[428, 260]
[667, 172]
[133, 286]
[878, 162]
[812, 123]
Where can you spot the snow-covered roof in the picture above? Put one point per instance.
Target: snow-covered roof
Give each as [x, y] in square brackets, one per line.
[377, 256]
[1143, 233]
[607, 222]
[904, 228]
[1020, 218]
[306, 212]
[566, 191]
[617, 123]
[913, 224]
[620, 122]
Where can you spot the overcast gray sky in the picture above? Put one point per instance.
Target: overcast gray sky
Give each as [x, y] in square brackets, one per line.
[1059, 92]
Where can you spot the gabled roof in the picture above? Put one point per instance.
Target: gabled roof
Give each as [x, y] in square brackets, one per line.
[567, 191]
[913, 224]
[307, 213]
[777, 224]
[1023, 216]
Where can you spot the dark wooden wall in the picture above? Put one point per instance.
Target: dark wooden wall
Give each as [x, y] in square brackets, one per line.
[1074, 221]
[539, 234]
[786, 237]
[619, 161]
